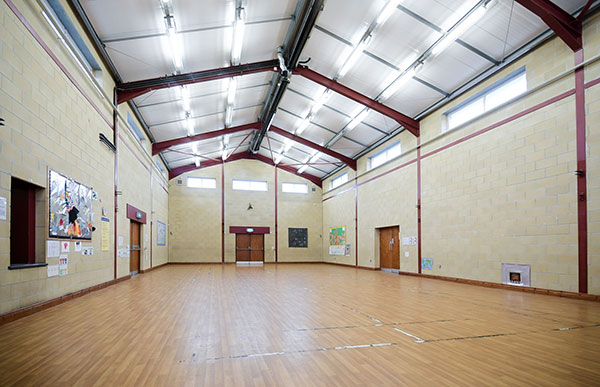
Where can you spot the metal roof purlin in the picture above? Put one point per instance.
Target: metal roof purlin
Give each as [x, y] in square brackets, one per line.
[410, 124]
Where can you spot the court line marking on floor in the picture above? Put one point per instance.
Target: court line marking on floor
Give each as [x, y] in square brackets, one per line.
[417, 339]
[267, 354]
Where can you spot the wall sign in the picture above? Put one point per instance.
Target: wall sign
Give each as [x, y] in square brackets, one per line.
[161, 231]
[249, 229]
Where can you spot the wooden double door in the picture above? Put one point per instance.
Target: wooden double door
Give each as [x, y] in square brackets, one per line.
[389, 248]
[249, 248]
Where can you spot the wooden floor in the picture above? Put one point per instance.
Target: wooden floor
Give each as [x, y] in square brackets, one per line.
[303, 325]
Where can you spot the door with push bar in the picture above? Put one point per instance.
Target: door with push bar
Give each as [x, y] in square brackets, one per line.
[249, 248]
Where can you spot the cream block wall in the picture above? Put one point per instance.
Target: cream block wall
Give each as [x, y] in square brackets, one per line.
[236, 204]
[49, 124]
[195, 219]
[340, 211]
[160, 213]
[195, 214]
[508, 195]
[299, 211]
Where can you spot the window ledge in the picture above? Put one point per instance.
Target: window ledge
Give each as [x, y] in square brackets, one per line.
[26, 265]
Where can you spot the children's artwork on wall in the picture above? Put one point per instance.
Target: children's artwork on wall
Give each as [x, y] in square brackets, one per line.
[70, 208]
[337, 236]
[427, 264]
[161, 231]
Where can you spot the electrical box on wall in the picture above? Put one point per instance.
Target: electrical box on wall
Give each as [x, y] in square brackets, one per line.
[516, 275]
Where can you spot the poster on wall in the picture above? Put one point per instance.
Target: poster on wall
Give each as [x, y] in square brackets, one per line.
[337, 240]
[70, 208]
[105, 234]
[161, 232]
[427, 264]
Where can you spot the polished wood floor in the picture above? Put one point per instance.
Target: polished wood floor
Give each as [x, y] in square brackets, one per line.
[303, 325]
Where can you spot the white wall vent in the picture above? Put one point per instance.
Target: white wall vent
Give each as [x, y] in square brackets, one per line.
[179, 181]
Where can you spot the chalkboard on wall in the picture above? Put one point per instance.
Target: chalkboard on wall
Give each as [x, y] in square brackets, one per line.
[298, 237]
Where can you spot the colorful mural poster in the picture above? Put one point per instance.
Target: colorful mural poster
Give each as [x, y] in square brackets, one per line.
[161, 231]
[337, 236]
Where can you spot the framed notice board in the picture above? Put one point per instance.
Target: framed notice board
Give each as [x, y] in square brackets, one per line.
[298, 237]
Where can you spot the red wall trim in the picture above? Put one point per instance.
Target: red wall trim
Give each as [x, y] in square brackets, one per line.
[582, 231]
[242, 230]
[132, 214]
[35, 35]
[356, 221]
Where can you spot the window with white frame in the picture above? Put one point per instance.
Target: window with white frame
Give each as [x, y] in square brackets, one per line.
[249, 185]
[500, 92]
[339, 180]
[387, 154]
[202, 182]
[294, 187]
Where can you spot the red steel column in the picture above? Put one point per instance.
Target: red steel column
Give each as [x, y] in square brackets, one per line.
[223, 212]
[581, 174]
[419, 203]
[356, 220]
[276, 226]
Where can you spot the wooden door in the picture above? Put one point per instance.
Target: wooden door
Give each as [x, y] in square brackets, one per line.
[242, 247]
[389, 248]
[134, 247]
[257, 247]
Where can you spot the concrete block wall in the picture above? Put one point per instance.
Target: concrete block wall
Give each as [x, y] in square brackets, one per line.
[51, 125]
[195, 214]
[505, 196]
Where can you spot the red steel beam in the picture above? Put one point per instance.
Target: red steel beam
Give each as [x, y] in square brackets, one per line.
[564, 25]
[243, 156]
[164, 145]
[130, 90]
[344, 159]
[409, 123]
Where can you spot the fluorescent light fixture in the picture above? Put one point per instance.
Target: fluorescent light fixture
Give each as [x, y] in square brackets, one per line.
[278, 158]
[399, 82]
[189, 124]
[458, 30]
[195, 148]
[303, 126]
[239, 26]
[354, 56]
[314, 158]
[302, 169]
[357, 120]
[197, 161]
[228, 115]
[388, 10]
[226, 141]
[318, 104]
[232, 90]
[287, 145]
[185, 98]
[174, 42]
[224, 155]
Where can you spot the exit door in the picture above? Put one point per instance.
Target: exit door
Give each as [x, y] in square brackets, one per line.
[389, 248]
[249, 248]
[134, 248]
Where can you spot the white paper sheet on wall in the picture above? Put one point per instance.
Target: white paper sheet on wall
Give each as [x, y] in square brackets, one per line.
[77, 246]
[63, 265]
[52, 249]
[121, 240]
[65, 247]
[2, 208]
[52, 270]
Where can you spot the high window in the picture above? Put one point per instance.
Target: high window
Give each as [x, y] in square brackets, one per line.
[294, 187]
[339, 180]
[500, 92]
[202, 182]
[249, 185]
[385, 155]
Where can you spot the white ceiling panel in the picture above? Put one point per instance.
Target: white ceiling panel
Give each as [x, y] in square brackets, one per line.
[381, 122]
[364, 134]
[368, 76]
[133, 18]
[413, 98]
[346, 147]
[455, 66]
[349, 18]
[326, 54]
